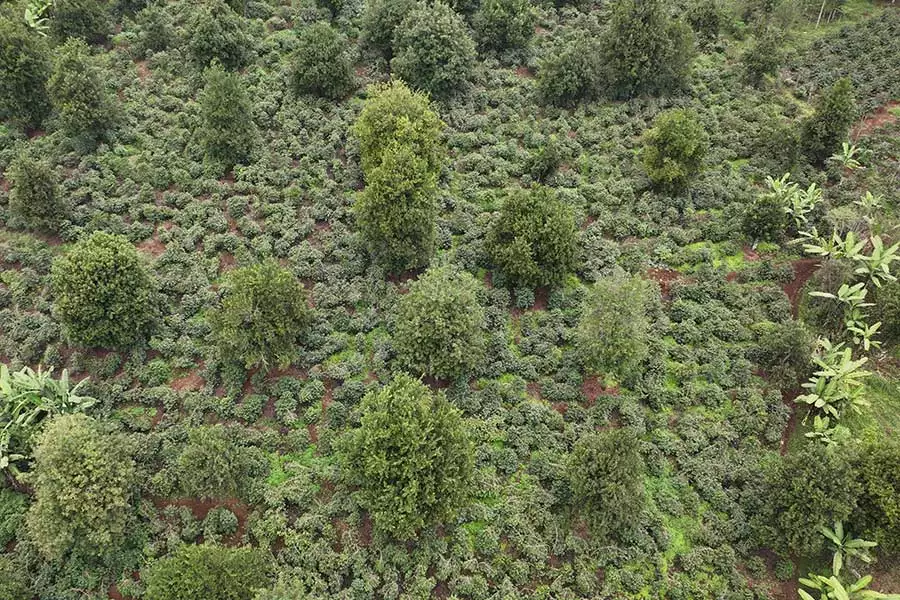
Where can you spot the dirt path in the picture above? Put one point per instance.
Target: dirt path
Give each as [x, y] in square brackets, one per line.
[803, 270]
[881, 117]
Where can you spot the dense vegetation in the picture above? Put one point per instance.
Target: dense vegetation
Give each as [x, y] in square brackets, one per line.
[476, 299]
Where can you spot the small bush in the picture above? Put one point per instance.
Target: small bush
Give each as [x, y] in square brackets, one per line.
[212, 466]
[674, 149]
[208, 572]
[783, 352]
[78, 94]
[570, 73]
[823, 132]
[765, 219]
[763, 57]
[34, 198]
[24, 70]
[217, 32]
[228, 132]
[321, 64]
[501, 24]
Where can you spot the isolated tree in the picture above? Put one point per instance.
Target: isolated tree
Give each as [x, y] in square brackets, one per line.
[212, 465]
[763, 56]
[410, 456]
[228, 132]
[217, 33]
[433, 50]
[208, 572]
[78, 94]
[103, 294]
[570, 73]
[822, 132]
[611, 338]
[501, 24]
[34, 196]
[674, 149]
[440, 324]
[83, 482]
[24, 70]
[321, 64]
[395, 114]
[397, 211]
[606, 473]
[534, 240]
[88, 20]
[645, 51]
[380, 21]
[262, 316]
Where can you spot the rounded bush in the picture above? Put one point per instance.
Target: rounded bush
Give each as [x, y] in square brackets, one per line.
[501, 24]
[440, 322]
[433, 50]
[34, 196]
[380, 21]
[879, 504]
[410, 456]
[103, 294]
[765, 219]
[208, 572]
[78, 94]
[569, 73]
[674, 149]
[262, 316]
[321, 64]
[212, 465]
[534, 240]
[228, 133]
[24, 70]
[217, 32]
[88, 20]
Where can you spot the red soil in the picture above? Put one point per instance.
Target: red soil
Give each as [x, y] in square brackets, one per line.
[143, 70]
[803, 270]
[664, 277]
[592, 388]
[190, 382]
[525, 72]
[534, 389]
[152, 246]
[875, 121]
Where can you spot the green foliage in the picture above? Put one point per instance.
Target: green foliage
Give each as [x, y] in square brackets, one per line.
[24, 70]
[13, 579]
[611, 338]
[217, 33]
[410, 456]
[321, 64]
[783, 352]
[501, 24]
[606, 472]
[228, 132]
[570, 73]
[263, 313]
[763, 57]
[208, 572]
[78, 94]
[156, 29]
[878, 513]
[439, 329]
[103, 294]
[12, 514]
[88, 20]
[34, 198]
[887, 310]
[765, 218]
[674, 149]
[380, 21]
[645, 51]
[83, 482]
[433, 50]
[823, 131]
[212, 465]
[533, 242]
[706, 18]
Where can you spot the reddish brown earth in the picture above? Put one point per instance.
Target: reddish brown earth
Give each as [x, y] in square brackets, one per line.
[534, 389]
[803, 270]
[875, 121]
[524, 72]
[592, 388]
[200, 508]
[664, 277]
[226, 262]
[152, 246]
[190, 382]
[788, 399]
[143, 70]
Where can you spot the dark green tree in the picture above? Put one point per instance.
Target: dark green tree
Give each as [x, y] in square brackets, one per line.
[606, 473]
[228, 132]
[706, 18]
[440, 323]
[103, 294]
[24, 70]
[763, 56]
[822, 133]
[674, 149]
[88, 20]
[570, 73]
[217, 33]
[78, 94]
[783, 351]
[645, 51]
[878, 513]
[83, 482]
[410, 456]
[501, 24]
[262, 316]
[156, 29]
[212, 465]
[321, 64]
[207, 572]
[534, 240]
[765, 219]
[612, 334]
[379, 22]
[34, 197]
[13, 579]
[433, 50]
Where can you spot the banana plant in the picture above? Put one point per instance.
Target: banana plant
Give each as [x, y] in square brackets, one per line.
[846, 158]
[837, 385]
[824, 433]
[34, 16]
[850, 246]
[853, 298]
[832, 588]
[846, 546]
[878, 264]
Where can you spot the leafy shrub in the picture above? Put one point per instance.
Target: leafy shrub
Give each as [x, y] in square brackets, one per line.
[765, 219]
[77, 92]
[321, 64]
[878, 513]
[13, 579]
[433, 50]
[83, 480]
[570, 73]
[12, 513]
[534, 240]
[606, 472]
[380, 21]
[706, 18]
[440, 323]
[262, 315]
[208, 572]
[410, 456]
[763, 57]
[823, 132]
[88, 20]
[103, 294]
[156, 29]
[645, 51]
[212, 465]
[783, 352]
[611, 337]
[34, 198]
[674, 149]
[501, 24]
[24, 70]
[228, 132]
[887, 309]
[217, 32]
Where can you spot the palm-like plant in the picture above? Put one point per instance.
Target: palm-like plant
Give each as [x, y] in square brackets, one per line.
[853, 298]
[846, 158]
[832, 588]
[34, 16]
[837, 385]
[878, 264]
[846, 546]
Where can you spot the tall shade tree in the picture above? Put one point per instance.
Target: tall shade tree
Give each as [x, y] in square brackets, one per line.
[83, 482]
[228, 132]
[674, 149]
[262, 316]
[24, 70]
[646, 51]
[433, 50]
[78, 94]
[501, 24]
[380, 21]
[34, 197]
[321, 64]
[88, 20]
[217, 33]
[440, 324]
[207, 572]
[822, 133]
[410, 456]
[878, 513]
[103, 294]
[534, 239]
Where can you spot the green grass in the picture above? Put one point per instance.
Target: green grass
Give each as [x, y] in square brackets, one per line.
[281, 465]
[883, 416]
